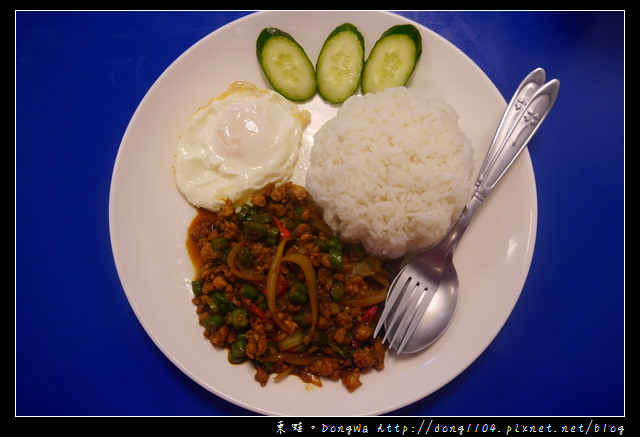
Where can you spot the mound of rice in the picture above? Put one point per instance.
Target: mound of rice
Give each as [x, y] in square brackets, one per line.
[392, 170]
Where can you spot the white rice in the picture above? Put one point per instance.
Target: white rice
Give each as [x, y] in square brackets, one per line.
[392, 170]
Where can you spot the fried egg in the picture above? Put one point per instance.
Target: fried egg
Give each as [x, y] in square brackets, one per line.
[239, 142]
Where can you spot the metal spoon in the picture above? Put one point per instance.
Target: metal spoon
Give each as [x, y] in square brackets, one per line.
[423, 297]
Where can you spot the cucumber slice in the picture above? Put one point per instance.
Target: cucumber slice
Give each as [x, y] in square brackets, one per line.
[340, 64]
[392, 59]
[286, 65]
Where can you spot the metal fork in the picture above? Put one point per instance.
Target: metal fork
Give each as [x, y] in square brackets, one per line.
[423, 297]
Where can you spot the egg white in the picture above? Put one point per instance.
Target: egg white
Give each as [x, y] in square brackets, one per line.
[240, 141]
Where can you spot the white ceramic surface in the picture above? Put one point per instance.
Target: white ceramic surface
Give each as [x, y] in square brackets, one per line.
[149, 218]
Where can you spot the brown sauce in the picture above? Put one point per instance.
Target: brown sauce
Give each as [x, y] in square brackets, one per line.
[192, 244]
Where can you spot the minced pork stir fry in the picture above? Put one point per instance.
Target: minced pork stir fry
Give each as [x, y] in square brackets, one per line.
[276, 288]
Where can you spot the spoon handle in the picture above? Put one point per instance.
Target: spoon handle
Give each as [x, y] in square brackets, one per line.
[527, 88]
[511, 138]
[517, 137]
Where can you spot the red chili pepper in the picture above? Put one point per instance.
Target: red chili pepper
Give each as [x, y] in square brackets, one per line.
[255, 309]
[284, 232]
[369, 314]
[367, 318]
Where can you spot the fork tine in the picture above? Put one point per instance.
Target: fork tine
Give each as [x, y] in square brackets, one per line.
[395, 291]
[399, 307]
[411, 301]
[416, 317]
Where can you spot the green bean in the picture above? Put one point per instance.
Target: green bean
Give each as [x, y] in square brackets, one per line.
[220, 244]
[336, 243]
[255, 231]
[335, 257]
[335, 247]
[213, 322]
[240, 319]
[343, 351]
[238, 350]
[302, 319]
[219, 304]
[245, 257]
[273, 236]
[298, 293]
[196, 287]
[337, 291]
[246, 212]
[249, 291]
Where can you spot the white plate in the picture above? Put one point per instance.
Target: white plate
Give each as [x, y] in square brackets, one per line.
[148, 219]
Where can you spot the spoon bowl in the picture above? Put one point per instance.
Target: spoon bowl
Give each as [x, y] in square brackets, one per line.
[438, 313]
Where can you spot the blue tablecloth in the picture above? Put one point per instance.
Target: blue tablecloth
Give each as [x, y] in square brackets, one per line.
[79, 349]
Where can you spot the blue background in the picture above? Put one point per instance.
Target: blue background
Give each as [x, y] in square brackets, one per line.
[79, 349]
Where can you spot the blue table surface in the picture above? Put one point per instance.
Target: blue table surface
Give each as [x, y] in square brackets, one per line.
[79, 348]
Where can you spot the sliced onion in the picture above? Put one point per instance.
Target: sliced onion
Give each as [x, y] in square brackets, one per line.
[292, 358]
[367, 267]
[247, 274]
[291, 340]
[312, 288]
[282, 375]
[382, 278]
[371, 299]
[272, 281]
